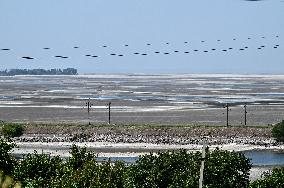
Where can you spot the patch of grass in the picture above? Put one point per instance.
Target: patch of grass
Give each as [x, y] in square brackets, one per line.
[278, 131]
[11, 130]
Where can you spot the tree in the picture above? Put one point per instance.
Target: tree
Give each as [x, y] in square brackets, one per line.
[7, 161]
[181, 169]
[274, 179]
[278, 131]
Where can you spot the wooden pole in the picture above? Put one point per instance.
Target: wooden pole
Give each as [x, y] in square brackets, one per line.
[227, 106]
[109, 112]
[245, 114]
[89, 105]
[202, 166]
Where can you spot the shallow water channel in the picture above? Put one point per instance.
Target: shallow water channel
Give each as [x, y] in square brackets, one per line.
[258, 158]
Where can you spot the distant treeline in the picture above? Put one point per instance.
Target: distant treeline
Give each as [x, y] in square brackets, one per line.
[13, 72]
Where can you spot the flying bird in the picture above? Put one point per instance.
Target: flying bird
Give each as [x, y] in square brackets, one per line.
[148, 44]
[120, 55]
[26, 57]
[196, 50]
[88, 55]
[58, 56]
[136, 53]
[242, 49]
[95, 56]
[112, 54]
[230, 48]
[126, 45]
[205, 51]
[224, 50]
[143, 54]
[176, 51]
[186, 52]
[46, 48]
[104, 46]
[5, 49]
[166, 53]
[75, 47]
[213, 49]
[157, 52]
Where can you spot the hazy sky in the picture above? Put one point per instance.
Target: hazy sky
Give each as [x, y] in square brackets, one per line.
[26, 27]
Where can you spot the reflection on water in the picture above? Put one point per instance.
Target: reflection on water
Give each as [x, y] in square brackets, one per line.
[265, 158]
[258, 158]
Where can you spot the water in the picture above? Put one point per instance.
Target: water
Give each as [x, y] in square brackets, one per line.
[265, 158]
[258, 158]
[130, 160]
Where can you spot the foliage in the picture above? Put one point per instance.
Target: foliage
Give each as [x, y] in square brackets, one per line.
[181, 169]
[7, 161]
[278, 131]
[37, 169]
[226, 169]
[274, 179]
[79, 157]
[13, 72]
[165, 169]
[92, 174]
[12, 130]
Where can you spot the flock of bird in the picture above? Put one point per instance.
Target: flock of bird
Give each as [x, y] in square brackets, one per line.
[159, 52]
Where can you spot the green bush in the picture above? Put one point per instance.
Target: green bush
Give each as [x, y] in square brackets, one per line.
[165, 169]
[12, 130]
[79, 157]
[278, 131]
[37, 169]
[274, 179]
[7, 161]
[181, 169]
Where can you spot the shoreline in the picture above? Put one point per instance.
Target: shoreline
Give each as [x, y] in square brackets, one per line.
[128, 151]
[108, 149]
[137, 139]
[131, 141]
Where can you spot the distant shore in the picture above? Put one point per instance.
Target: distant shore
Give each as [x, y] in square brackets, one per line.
[137, 139]
[132, 141]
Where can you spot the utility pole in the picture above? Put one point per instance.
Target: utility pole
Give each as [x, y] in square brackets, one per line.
[202, 166]
[227, 107]
[245, 106]
[109, 112]
[89, 105]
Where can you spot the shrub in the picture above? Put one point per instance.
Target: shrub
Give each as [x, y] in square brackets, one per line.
[79, 157]
[181, 169]
[278, 131]
[12, 130]
[274, 179]
[166, 169]
[7, 161]
[37, 169]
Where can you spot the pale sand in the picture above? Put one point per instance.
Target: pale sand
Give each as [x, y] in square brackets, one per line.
[108, 149]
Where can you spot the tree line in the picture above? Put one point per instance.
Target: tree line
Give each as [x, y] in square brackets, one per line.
[13, 72]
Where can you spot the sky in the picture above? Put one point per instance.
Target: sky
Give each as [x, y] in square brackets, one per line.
[127, 26]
